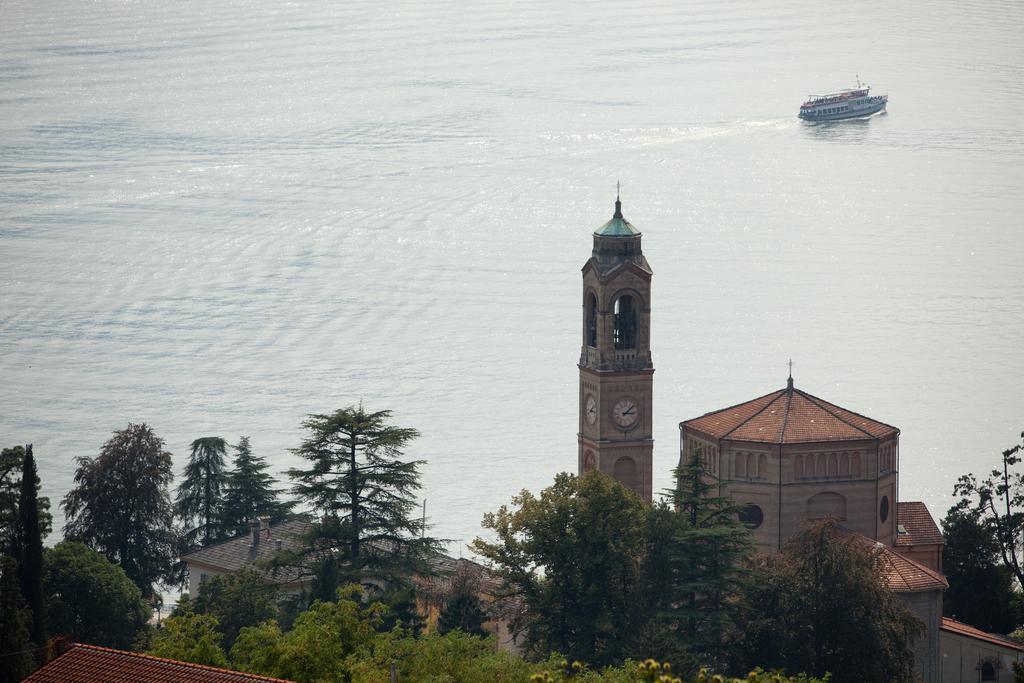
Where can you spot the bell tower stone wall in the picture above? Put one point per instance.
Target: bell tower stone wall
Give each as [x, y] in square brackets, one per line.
[616, 422]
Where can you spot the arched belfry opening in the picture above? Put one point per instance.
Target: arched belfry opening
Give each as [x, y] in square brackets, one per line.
[591, 333]
[615, 392]
[626, 319]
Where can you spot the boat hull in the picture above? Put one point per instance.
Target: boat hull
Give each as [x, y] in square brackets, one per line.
[872, 108]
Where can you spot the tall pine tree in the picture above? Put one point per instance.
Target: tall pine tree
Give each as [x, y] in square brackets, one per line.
[31, 561]
[200, 499]
[364, 490]
[708, 559]
[249, 493]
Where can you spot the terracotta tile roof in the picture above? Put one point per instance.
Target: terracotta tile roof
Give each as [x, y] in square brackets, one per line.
[962, 629]
[904, 575]
[91, 664]
[917, 521]
[789, 416]
[235, 553]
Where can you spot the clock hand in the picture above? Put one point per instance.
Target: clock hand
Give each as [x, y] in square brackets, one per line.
[630, 411]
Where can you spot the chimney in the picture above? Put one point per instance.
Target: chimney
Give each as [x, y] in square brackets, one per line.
[265, 527]
[254, 532]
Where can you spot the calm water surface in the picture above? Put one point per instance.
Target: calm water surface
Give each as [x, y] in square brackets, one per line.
[219, 217]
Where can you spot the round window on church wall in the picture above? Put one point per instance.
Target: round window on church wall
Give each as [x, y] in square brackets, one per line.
[752, 516]
[883, 509]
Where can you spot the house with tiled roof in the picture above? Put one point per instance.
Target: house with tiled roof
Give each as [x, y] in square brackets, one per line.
[970, 654]
[93, 664]
[256, 549]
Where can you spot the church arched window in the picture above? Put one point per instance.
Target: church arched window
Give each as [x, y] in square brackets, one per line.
[741, 465]
[799, 467]
[591, 339]
[820, 469]
[751, 465]
[624, 332]
[988, 671]
[762, 466]
[589, 461]
[855, 465]
[833, 465]
[844, 465]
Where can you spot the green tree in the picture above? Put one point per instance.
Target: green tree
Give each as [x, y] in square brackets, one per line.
[462, 608]
[708, 552]
[15, 642]
[190, 638]
[572, 556]
[365, 493]
[980, 589]
[998, 501]
[249, 492]
[320, 645]
[30, 563]
[822, 605]
[11, 460]
[236, 600]
[91, 599]
[121, 507]
[200, 503]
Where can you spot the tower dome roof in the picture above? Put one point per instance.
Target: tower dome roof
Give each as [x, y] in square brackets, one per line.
[617, 226]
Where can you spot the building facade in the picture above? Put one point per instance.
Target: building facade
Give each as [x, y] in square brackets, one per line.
[616, 420]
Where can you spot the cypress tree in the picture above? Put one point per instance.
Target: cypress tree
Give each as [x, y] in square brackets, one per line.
[200, 500]
[31, 560]
[15, 642]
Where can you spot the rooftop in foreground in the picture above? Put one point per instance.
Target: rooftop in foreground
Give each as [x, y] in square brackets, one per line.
[93, 664]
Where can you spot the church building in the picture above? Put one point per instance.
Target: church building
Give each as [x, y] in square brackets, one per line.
[790, 456]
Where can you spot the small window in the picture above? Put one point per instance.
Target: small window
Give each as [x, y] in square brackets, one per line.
[883, 509]
[988, 672]
[202, 578]
[752, 516]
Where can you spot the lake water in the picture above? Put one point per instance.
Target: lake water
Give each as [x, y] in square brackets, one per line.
[217, 217]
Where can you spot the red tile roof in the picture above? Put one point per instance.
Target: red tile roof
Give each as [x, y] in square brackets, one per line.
[92, 664]
[918, 523]
[789, 416]
[904, 575]
[962, 629]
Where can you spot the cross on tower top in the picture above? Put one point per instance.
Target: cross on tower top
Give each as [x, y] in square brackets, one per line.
[789, 382]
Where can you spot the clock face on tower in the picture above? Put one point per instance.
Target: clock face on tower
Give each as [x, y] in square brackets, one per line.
[590, 409]
[625, 413]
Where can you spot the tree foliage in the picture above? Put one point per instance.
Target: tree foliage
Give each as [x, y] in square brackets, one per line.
[30, 561]
[15, 640]
[121, 507]
[572, 556]
[200, 503]
[821, 605]
[190, 638]
[11, 461]
[462, 608]
[249, 492]
[319, 645]
[364, 491]
[707, 554]
[236, 600]
[998, 501]
[90, 599]
[980, 589]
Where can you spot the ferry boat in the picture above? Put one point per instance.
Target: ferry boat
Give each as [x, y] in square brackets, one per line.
[843, 104]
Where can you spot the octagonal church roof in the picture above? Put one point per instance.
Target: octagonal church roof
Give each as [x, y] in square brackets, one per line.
[789, 416]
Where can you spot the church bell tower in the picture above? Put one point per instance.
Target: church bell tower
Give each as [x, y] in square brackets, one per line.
[616, 373]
